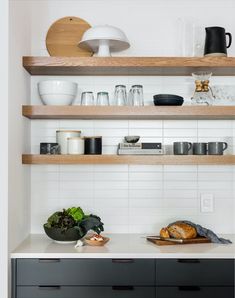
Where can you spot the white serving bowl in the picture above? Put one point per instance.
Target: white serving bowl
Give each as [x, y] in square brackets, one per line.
[57, 92]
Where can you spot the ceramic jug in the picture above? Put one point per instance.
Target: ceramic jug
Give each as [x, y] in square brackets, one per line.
[215, 43]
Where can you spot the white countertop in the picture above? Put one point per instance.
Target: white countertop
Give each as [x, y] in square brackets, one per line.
[122, 246]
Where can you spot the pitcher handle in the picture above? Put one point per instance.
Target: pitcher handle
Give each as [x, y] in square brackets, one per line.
[229, 39]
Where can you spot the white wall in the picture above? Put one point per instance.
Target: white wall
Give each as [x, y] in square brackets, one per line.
[19, 127]
[136, 198]
[4, 149]
[154, 27]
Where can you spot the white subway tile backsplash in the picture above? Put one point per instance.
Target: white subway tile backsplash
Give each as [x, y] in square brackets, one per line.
[211, 133]
[145, 168]
[176, 185]
[150, 124]
[77, 195]
[76, 124]
[145, 176]
[135, 198]
[179, 176]
[79, 176]
[215, 124]
[177, 124]
[111, 194]
[146, 203]
[215, 168]
[112, 202]
[112, 124]
[111, 176]
[221, 176]
[75, 185]
[180, 194]
[110, 132]
[180, 204]
[145, 184]
[146, 132]
[111, 185]
[110, 168]
[75, 168]
[212, 185]
[180, 133]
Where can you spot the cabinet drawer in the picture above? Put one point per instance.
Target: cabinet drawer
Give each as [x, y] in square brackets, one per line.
[207, 272]
[96, 272]
[195, 292]
[85, 292]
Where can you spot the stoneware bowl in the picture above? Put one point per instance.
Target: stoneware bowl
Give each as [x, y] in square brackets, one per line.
[57, 92]
[132, 139]
[71, 235]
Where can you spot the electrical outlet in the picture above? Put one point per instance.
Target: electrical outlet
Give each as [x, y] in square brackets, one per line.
[207, 203]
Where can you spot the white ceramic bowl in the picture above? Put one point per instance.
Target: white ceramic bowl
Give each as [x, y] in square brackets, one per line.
[57, 92]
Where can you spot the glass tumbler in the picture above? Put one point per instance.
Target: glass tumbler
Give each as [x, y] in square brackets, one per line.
[87, 99]
[136, 96]
[102, 99]
[120, 96]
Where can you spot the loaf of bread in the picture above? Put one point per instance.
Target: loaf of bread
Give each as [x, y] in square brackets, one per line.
[164, 233]
[181, 230]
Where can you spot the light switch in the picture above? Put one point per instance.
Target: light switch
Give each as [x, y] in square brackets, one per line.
[207, 203]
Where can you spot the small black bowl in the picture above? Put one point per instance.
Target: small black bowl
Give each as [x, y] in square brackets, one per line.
[56, 234]
[167, 100]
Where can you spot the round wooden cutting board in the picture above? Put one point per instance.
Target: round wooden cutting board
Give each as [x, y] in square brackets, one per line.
[64, 35]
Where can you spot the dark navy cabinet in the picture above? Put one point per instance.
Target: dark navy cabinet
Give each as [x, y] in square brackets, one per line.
[122, 278]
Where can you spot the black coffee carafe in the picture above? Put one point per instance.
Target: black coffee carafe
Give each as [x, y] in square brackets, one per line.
[215, 43]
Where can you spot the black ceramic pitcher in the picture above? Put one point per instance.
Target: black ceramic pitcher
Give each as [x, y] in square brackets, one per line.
[215, 44]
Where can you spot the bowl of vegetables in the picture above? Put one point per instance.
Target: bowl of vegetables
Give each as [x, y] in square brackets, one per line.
[71, 224]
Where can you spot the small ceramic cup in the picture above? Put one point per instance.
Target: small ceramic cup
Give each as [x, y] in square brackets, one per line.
[199, 148]
[182, 148]
[217, 148]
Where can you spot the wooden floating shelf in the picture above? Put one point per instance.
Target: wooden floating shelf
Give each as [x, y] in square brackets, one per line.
[116, 112]
[129, 159]
[163, 66]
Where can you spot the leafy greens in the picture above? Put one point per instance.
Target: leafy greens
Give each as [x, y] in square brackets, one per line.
[74, 217]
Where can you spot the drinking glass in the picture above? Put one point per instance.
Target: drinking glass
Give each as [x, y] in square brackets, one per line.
[102, 99]
[87, 99]
[136, 97]
[120, 96]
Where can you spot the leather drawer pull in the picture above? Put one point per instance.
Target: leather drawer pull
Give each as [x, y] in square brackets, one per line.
[188, 261]
[123, 288]
[49, 287]
[123, 261]
[49, 260]
[189, 288]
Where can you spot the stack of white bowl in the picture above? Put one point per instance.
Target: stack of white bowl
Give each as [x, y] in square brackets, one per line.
[57, 92]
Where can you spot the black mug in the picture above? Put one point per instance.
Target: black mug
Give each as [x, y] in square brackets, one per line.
[215, 43]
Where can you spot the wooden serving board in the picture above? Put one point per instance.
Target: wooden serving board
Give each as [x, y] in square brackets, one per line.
[64, 35]
[197, 240]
